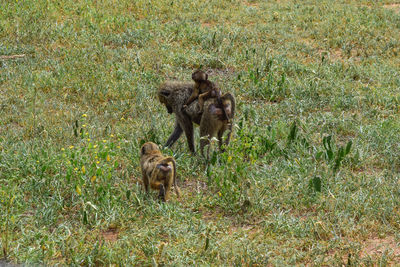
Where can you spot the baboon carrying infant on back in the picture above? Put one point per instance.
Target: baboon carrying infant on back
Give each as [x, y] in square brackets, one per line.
[203, 90]
[213, 113]
[214, 117]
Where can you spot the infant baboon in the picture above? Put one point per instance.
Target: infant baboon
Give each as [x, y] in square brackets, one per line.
[158, 171]
[203, 90]
[212, 121]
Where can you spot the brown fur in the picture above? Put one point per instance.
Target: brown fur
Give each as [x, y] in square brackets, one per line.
[212, 122]
[158, 172]
[203, 90]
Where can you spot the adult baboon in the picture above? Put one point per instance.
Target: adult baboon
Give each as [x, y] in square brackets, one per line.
[212, 121]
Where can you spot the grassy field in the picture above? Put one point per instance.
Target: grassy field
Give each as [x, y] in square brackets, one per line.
[311, 176]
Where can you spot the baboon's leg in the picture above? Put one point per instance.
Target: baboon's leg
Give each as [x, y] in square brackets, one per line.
[162, 195]
[155, 185]
[167, 185]
[204, 140]
[187, 126]
[145, 182]
[192, 97]
[175, 135]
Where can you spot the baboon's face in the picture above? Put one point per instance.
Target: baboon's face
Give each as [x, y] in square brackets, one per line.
[147, 147]
[163, 96]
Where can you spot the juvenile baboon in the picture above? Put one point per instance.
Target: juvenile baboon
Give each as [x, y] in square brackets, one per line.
[158, 172]
[212, 121]
[203, 90]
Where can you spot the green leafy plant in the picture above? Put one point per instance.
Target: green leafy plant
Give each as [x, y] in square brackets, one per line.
[333, 155]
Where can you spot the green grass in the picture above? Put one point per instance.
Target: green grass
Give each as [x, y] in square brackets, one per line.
[311, 176]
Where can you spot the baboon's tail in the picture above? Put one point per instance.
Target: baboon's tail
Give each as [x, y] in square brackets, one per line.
[221, 105]
[166, 161]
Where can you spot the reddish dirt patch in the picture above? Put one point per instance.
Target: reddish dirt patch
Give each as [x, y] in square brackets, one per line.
[110, 235]
[334, 54]
[337, 54]
[250, 4]
[394, 7]
[368, 170]
[207, 24]
[377, 246]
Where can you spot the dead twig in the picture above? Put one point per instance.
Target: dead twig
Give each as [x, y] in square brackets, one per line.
[12, 56]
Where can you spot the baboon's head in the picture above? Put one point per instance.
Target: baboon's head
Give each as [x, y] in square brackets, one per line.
[163, 96]
[148, 147]
[199, 76]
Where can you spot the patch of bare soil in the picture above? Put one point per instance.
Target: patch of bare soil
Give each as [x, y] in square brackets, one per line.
[338, 54]
[333, 54]
[207, 24]
[251, 4]
[395, 7]
[110, 235]
[5, 263]
[377, 246]
[193, 185]
[252, 230]
[12, 57]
